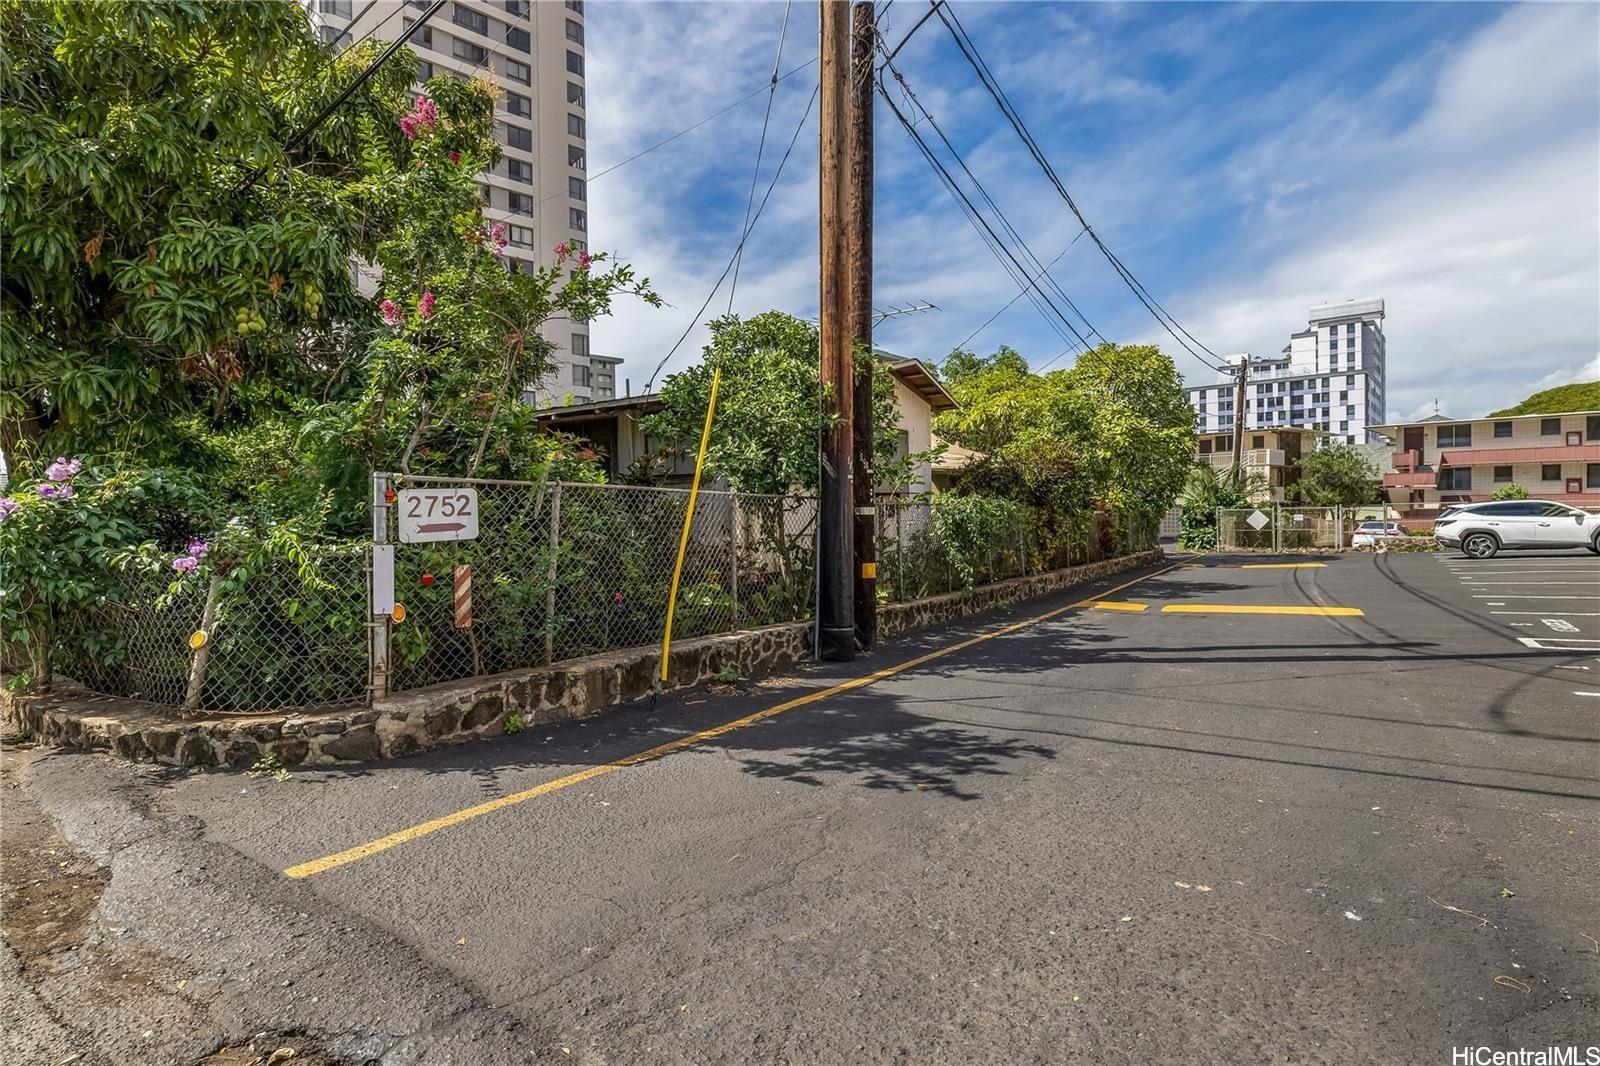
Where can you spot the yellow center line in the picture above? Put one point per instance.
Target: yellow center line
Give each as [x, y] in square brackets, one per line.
[1115, 605]
[1229, 608]
[1281, 566]
[434, 825]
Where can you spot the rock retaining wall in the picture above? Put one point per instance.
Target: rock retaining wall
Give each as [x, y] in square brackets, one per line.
[419, 720]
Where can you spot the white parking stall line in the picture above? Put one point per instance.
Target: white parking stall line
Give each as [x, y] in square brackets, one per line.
[1560, 643]
[1531, 596]
[1480, 581]
[1576, 692]
[1564, 614]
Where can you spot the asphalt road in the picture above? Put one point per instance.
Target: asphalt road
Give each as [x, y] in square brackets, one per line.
[1115, 834]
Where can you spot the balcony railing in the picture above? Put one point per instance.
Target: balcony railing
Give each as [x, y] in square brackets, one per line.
[1406, 461]
[1411, 479]
[1258, 457]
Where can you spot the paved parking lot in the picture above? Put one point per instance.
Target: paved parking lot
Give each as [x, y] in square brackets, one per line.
[1241, 809]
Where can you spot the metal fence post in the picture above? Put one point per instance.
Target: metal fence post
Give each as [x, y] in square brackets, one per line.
[377, 624]
[550, 577]
[1338, 527]
[733, 543]
[899, 553]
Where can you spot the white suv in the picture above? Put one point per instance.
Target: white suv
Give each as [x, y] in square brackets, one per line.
[1482, 529]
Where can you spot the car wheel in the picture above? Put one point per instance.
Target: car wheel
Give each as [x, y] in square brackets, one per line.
[1479, 546]
[1594, 544]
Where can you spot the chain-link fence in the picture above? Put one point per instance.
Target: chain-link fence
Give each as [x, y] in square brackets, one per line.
[281, 635]
[563, 569]
[1277, 527]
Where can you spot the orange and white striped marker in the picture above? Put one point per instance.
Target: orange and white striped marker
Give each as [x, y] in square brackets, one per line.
[463, 597]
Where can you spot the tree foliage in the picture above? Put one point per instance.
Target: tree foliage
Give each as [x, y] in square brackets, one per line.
[769, 417]
[1512, 491]
[1209, 489]
[1335, 475]
[1114, 429]
[1578, 396]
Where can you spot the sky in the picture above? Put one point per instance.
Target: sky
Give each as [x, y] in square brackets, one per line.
[1246, 162]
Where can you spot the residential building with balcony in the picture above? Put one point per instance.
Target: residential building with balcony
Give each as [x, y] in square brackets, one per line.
[603, 376]
[1440, 461]
[534, 52]
[1273, 454]
[1331, 377]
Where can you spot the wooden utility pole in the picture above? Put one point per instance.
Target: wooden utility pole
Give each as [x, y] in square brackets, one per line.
[836, 630]
[859, 252]
[1240, 373]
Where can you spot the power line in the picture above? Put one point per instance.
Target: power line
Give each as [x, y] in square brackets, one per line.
[970, 52]
[746, 236]
[755, 171]
[986, 232]
[1030, 257]
[986, 322]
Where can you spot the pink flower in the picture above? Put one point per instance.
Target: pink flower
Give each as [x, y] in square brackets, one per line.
[421, 164]
[408, 126]
[583, 260]
[63, 468]
[455, 156]
[7, 505]
[425, 306]
[392, 314]
[426, 111]
[199, 549]
[562, 251]
[185, 564]
[497, 235]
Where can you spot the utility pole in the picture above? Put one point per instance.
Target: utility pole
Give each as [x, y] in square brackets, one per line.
[859, 252]
[836, 630]
[1240, 373]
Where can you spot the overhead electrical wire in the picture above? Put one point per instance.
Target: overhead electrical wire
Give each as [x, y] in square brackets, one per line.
[755, 171]
[969, 51]
[745, 237]
[1020, 293]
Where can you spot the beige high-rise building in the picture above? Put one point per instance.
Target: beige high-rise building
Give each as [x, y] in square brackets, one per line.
[534, 51]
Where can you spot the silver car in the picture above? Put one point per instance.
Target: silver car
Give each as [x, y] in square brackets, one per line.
[1482, 529]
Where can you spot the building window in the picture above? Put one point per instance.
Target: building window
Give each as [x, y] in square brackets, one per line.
[472, 20]
[520, 203]
[575, 5]
[519, 40]
[577, 219]
[519, 137]
[333, 35]
[574, 93]
[1549, 427]
[342, 8]
[424, 37]
[574, 32]
[488, 195]
[519, 71]
[1455, 436]
[425, 71]
[521, 236]
[520, 105]
[581, 374]
[1349, 327]
[1502, 429]
[575, 64]
[1502, 474]
[517, 8]
[1593, 427]
[1550, 472]
[469, 52]
[575, 126]
[517, 170]
[1592, 476]
[575, 188]
[580, 345]
[1456, 479]
[575, 156]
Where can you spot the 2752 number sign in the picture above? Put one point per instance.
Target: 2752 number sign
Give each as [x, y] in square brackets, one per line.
[441, 513]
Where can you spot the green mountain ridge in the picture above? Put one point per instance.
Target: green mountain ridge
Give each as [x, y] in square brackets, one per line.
[1579, 396]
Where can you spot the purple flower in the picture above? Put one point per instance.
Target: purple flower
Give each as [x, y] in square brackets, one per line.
[425, 306]
[391, 312]
[63, 468]
[49, 490]
[7, 505]
[185, 564]
[199, 549]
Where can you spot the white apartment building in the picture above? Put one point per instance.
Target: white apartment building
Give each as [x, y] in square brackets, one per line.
[603, 376]
[534, 51]
[1329, 377]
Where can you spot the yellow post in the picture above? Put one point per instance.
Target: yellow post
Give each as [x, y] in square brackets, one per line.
[688, 520]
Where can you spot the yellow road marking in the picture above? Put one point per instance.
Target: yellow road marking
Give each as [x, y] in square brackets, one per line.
[1281, 566]
[1114, 605]
[404, 836]
[1228, 608]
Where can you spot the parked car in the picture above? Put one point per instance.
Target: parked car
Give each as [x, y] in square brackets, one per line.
[1371, 534]
[1481, 530]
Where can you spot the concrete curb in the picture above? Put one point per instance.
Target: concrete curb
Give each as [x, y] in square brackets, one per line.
[282, 957]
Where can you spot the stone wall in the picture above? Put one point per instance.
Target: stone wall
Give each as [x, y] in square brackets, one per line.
[419, 720]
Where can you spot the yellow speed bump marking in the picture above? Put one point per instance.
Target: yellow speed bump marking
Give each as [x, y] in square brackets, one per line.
[1235, 608]
[404, 836]
[1281, 566]
[1116, 605]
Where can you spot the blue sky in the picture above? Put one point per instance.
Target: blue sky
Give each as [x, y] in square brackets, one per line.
[1246, 162]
